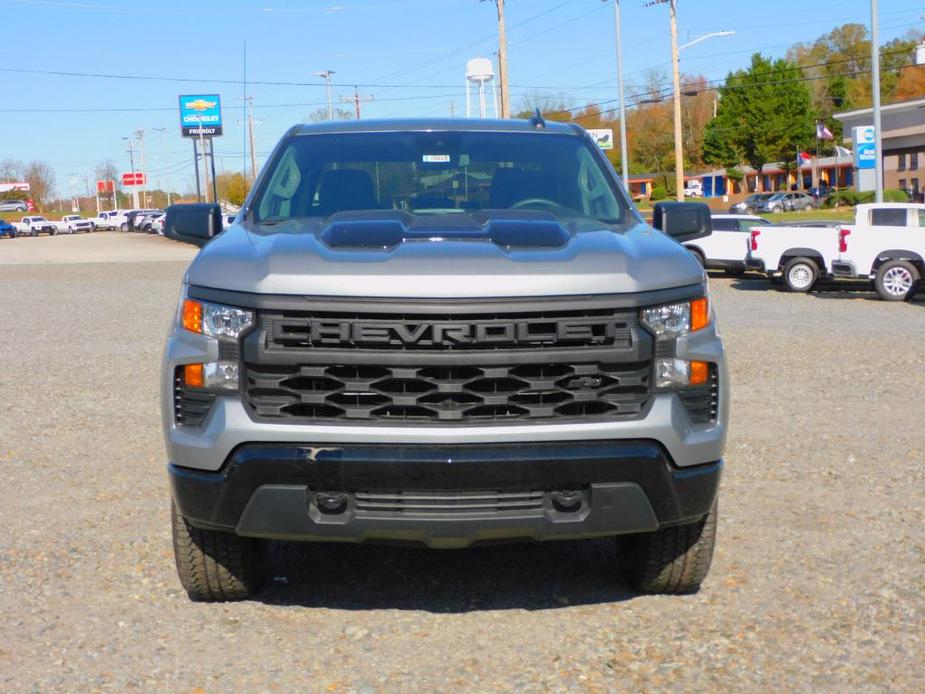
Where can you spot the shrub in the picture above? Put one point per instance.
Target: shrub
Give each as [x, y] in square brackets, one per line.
[659, 193]
[850, 198]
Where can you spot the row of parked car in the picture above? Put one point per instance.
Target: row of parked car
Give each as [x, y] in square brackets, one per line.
[884, 245]
[149, 221]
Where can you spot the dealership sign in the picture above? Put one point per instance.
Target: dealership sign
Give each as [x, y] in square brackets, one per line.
[7, 187]
[602, 136]
[865, 152]
[201, 115]
[133, 179]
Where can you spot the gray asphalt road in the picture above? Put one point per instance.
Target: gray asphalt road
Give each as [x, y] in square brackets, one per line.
[817, 583]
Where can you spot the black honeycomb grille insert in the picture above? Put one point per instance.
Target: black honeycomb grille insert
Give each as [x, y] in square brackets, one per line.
[447, 393]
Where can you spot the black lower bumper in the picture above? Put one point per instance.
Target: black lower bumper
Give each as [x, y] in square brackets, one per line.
[445, 496]
[755, 265]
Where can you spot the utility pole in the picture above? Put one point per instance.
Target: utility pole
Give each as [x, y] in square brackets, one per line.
[356, 100]
[326, 76]
[163, 132]
[502, 62]
[624, 158]
[875, 87]
[131, 158]
[140, 134]
[676, 70]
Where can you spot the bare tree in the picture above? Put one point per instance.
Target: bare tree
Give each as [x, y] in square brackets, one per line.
[321, 115]
[106, 170]
[11, 170]
[41, 179]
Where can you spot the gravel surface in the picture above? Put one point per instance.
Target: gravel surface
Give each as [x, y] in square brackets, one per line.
[817, 582]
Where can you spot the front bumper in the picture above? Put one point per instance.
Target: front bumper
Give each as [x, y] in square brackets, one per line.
[427, 494]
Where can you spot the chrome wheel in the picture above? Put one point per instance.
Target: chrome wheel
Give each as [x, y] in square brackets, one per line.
[897, 281]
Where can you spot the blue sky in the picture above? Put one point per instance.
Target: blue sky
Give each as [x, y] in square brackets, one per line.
[409, 54]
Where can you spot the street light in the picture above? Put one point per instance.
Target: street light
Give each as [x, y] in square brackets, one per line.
[624, 159]
[326, 76]
[676, 74]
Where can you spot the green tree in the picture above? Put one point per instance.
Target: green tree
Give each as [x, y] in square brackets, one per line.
[764, 114]
[232, 187]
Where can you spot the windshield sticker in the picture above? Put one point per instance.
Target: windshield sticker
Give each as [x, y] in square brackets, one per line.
[436, 159]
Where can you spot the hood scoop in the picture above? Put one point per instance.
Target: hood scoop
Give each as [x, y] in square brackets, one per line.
[527, 230]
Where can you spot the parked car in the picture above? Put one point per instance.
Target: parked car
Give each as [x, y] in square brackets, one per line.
[787, 202]
[157, 224]
[35, 225]
[13, 206]
[749, 204]
[145, 222]
[819, 192]
[74, 224]
[104, 220]
[726, 248]
[798, 255]
[7, 229]
[886, 244]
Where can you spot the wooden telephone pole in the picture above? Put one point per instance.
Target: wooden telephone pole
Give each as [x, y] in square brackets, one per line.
[356, 100]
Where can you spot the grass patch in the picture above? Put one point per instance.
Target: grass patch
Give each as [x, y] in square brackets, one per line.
[843, 214]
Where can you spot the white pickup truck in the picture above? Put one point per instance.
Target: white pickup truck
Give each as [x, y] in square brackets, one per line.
[797, 255]
[886, 244]
[34, 225]
[725, 248]
[74, 224]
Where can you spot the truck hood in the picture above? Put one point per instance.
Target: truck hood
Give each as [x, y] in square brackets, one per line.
[299, 257]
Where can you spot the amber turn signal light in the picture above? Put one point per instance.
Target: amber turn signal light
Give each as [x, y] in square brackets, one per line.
[700, 372]
[192, 375]
[192, 315]
[700, 314]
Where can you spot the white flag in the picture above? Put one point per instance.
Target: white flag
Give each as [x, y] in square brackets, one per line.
[842, 151]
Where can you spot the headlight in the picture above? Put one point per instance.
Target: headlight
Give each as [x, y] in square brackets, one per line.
[216, 375]
[669, 322]
[216, 320]
[673, 320]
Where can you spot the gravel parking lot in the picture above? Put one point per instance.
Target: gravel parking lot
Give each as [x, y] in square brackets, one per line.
[817, 583]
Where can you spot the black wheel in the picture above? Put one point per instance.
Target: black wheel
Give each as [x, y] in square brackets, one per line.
[749, 210]
[810, 207]
[123, 226]
[800, 274]
[897, 280]
[214, 566]
[671, 560]
[34, 233]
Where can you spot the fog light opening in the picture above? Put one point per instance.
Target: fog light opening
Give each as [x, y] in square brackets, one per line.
[331, 502]
[567, 500]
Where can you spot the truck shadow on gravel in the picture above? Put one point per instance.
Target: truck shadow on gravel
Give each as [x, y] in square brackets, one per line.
[537, 576]
[824, 289]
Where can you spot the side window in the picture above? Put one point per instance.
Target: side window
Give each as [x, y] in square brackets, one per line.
[888, 217]
[747, 224]
[921, 218]
[277, 200]
[725, 224]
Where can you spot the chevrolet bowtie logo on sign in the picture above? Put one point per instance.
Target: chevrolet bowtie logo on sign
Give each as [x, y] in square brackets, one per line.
[201, 112]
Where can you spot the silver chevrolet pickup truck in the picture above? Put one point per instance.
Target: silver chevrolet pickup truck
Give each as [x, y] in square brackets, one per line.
[446, 332]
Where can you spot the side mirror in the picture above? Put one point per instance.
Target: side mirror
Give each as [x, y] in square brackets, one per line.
[196, 223]
[683, 221]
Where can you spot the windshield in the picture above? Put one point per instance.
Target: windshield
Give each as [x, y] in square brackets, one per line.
[778, 196]
[428, 173]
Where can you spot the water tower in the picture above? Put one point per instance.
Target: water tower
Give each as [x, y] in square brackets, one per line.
[480, 71]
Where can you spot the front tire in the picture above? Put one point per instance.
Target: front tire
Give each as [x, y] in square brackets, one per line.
[800, 274]
[671, 560]
[123, 227]
[896, 280]
[213, 566]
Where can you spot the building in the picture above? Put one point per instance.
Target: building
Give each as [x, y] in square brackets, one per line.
[903, 139]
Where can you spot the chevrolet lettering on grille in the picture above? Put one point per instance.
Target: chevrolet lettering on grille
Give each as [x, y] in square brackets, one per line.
[335, 332]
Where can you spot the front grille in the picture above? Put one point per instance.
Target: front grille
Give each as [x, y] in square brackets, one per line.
[482, 362]
[448, 393]
[447, 503]
[190, 406]
[576, 328]
[702, 402]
